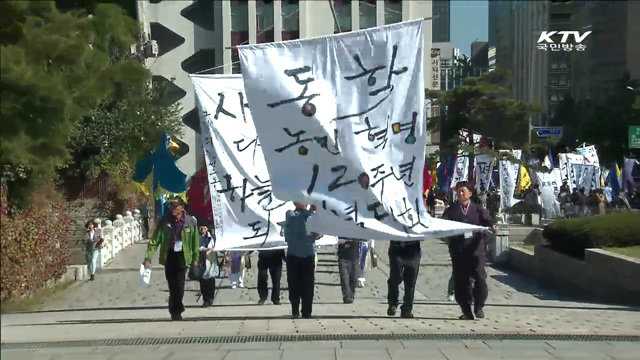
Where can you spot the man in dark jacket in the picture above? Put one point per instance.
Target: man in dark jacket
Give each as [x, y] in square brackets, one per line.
[404, 263]
[467, 253]
[348, 267]
[270, 262]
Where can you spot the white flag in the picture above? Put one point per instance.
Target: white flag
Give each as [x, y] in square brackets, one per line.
[341, 125]
[246, 212]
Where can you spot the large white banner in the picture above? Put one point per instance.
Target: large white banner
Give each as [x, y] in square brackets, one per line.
[550, 183]
[341, 126]
[584, 176]
[461, 170]
[508, 176]
[484, 171]
[247, 215]
[591, 158]
[566, 168]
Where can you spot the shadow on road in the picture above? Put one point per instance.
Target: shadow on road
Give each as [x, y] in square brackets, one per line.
[523, 284]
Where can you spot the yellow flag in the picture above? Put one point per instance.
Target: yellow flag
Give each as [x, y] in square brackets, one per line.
[524, 180]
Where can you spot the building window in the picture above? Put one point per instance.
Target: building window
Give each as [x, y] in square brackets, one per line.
[290, 15]
[264, 15]
[367, 10]
[235, 61]
[392, 11]
[239, 15]
[343, 13]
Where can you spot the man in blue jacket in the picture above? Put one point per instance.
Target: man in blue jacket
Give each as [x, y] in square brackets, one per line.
[300, 260]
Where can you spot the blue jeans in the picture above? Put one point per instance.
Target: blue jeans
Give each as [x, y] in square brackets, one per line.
[92, 261]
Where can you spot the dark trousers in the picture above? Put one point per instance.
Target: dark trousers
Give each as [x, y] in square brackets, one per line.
[208, 289]
[266, 267]
[349, 269]
[467, 267]
[404, 263]
[175, 271]
[301, 281]
[145, 227]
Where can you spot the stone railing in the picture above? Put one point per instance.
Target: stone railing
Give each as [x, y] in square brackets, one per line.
[119, 234]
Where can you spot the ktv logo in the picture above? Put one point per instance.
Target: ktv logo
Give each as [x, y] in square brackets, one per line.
[546, 40]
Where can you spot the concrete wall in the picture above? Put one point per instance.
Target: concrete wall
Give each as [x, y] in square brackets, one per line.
[602, 276]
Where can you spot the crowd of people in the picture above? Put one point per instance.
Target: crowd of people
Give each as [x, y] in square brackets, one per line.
[187, 250]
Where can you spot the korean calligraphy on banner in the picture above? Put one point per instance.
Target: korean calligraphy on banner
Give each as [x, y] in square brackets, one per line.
[484, 171]
[591, 158]
[550, 183]
[341, 126]
[567, 170]
[461, 170]
[584, 176]
[246, 212]
[508, 176]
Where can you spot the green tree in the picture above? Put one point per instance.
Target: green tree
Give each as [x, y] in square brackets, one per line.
[50, 77]
[481, 105]
[128, 123]
[606, 124]
[69, 87]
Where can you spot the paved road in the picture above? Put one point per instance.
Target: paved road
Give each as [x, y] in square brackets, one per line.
[326, 350]
[114, 307]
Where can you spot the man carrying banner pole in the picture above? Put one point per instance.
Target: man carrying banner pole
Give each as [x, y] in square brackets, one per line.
[300, 260]
[404, 263]
[468, 253]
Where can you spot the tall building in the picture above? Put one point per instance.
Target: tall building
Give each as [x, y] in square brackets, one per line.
[480, 55]
[198, 36]
[514, 28]
[611, 50]
[501, 32]
[441, 21]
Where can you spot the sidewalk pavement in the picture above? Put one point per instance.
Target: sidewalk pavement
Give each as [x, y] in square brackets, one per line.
[115, 307]
[330, 350]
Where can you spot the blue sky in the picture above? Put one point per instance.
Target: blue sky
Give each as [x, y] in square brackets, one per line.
[469, 22]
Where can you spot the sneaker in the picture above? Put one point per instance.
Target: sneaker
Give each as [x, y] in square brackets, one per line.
[391, 311]
[451, 298]
[295, 315]
[233, 285]
[276, 302]
[261, 301]
[479, 314]
[361, 282]
[467, 316]
[348, 301]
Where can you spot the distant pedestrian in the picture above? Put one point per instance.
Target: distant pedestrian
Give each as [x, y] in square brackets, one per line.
[206, 260]
[270, 263]
[468, 253]
[176, 234]
[348, 267]
[300, 260]
[237, 269]
[93, 244]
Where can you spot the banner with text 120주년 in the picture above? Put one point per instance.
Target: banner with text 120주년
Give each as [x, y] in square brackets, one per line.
[247, 215]
[341, 126]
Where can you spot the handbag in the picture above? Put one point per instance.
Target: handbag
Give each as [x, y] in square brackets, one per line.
[100, 244]
[195, 272]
